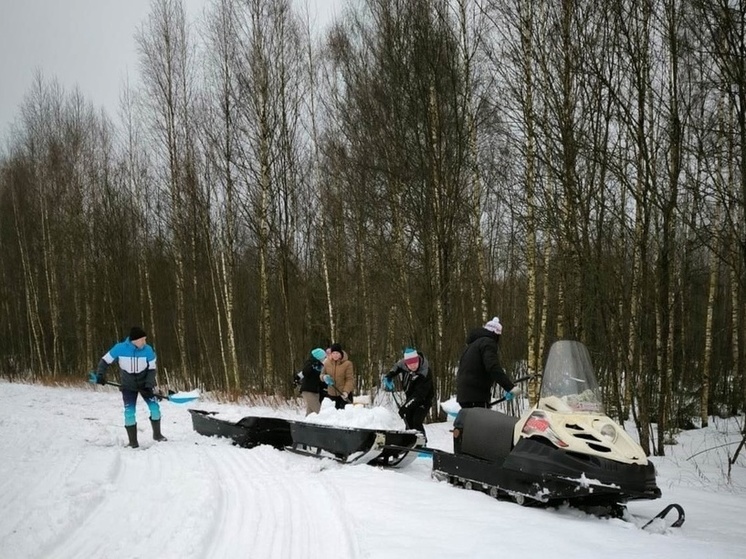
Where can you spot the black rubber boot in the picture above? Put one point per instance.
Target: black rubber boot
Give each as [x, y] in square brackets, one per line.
[132, 435]
[157, 436]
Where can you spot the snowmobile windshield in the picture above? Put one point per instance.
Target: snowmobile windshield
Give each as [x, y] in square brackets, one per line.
[569, 378]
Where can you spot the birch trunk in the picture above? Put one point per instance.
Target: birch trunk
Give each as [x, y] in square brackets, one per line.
[704, 395]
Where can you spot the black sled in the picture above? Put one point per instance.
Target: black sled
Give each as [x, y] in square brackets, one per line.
[248, 432]
[563, 450]
[377, 447]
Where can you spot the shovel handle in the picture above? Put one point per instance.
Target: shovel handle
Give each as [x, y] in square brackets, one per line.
[521, 379]
[92, 380]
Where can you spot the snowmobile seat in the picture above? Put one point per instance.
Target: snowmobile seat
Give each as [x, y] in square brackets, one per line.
[484, 433]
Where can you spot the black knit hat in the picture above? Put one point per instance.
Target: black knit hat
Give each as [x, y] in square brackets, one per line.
[336, 347]
[136, 333]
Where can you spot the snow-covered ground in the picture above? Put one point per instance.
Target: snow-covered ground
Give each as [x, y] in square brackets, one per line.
[70, 489]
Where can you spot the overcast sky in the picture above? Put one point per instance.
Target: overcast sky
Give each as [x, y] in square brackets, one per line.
[84, 43]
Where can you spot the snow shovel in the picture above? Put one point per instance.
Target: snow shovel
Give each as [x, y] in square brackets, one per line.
[175, 397]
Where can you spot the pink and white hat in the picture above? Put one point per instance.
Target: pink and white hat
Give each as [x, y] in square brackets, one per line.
[411, 357]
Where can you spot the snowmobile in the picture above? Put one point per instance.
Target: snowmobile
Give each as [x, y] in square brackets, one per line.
[565, 449]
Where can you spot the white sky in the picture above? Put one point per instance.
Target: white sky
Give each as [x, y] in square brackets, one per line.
[88, 43]
[69, 489]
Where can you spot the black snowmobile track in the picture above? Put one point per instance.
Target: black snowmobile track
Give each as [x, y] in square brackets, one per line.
[541, 489]
[540, 472]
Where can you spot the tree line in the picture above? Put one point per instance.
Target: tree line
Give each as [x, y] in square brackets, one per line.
[577, 168]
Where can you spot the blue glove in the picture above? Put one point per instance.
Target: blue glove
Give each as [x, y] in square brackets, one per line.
[96, 378]
[328, 380]
[388, 384]
[512, 394]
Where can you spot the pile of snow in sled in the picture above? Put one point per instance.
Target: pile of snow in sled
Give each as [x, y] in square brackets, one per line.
[353, 435]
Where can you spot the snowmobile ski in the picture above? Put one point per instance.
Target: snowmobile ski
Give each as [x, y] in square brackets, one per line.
[662, 514]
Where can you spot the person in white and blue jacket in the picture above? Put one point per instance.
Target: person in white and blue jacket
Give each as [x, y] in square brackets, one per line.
[137, 364]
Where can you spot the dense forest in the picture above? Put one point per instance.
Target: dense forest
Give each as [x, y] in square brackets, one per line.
[577, 168]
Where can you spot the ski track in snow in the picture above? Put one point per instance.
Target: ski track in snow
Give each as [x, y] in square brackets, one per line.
[279, 511]
[262, 503]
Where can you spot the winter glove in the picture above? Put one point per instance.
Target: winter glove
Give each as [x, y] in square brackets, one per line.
[96, 378]
[328, 380]
[297, 377]
[388, 384]
[345, 396]
[147, 393]
[404, 409]
[512, 394]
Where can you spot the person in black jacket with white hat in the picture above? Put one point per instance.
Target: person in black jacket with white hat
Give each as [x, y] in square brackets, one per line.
[479, 368]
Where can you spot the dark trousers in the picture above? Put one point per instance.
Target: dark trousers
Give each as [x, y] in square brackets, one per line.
[414, 417]
[129, 398]
[339, 402]
[473, 405]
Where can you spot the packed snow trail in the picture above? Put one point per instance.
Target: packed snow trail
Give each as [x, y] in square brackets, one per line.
[69, 489]
[282, 509]
[264, 501]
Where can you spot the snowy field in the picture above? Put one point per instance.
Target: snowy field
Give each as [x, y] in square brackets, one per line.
[70, 489]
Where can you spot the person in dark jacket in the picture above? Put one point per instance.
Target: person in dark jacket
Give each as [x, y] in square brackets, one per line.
[479, 368]
[419, 389]
[137, 361]
[310, 381]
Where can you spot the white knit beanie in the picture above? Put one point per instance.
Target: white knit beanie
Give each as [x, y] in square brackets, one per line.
[494, 326]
